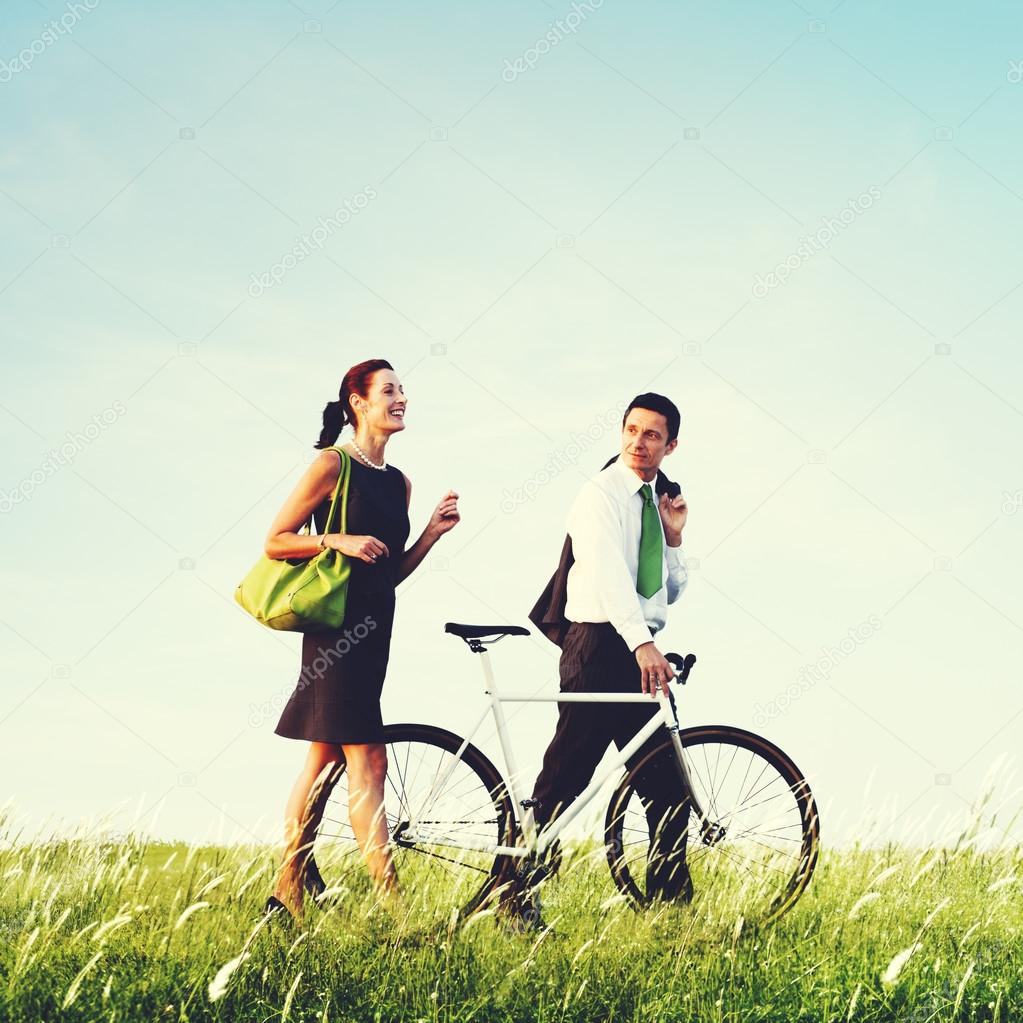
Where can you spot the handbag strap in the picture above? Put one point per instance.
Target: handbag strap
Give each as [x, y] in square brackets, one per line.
[340, 490]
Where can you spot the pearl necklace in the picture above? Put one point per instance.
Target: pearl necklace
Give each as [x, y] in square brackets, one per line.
[362, 454]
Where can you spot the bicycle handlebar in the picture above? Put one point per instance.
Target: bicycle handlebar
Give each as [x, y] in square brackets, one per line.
[682, 665]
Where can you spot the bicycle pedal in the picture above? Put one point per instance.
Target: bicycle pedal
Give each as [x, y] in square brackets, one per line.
[536, 875]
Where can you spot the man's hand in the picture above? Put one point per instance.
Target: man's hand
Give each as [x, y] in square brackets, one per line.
[655, 670]
[673, 514]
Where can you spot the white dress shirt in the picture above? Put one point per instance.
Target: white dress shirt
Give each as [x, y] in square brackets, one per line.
[605, 524]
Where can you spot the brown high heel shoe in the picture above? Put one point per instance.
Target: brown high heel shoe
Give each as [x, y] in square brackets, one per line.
[280, 911]
[314, 883]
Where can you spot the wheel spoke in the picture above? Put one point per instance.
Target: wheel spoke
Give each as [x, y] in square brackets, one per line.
[448, 859]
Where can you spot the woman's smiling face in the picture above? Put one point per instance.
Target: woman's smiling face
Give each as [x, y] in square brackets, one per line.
[383, 408]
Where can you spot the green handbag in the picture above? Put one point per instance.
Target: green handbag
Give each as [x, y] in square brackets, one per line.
[303, 594]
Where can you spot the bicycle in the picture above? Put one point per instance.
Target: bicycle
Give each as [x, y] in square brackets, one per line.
[455, 824]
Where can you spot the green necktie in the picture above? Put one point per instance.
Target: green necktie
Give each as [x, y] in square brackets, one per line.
[651, 554]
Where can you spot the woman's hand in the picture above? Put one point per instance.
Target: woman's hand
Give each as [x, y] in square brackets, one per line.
[366, 548]
[444, 516]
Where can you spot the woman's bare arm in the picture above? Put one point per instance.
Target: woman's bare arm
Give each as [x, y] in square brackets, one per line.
[445, 516]
[415, 554]
[316, 484]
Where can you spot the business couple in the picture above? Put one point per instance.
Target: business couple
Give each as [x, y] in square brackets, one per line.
[622, 565]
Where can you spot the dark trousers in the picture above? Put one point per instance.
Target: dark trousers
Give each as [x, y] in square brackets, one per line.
[595, 659]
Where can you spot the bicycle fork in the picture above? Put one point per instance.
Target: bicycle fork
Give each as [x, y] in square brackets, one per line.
[711, 832]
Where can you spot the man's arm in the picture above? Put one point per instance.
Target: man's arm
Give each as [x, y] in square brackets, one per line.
[674, 512]
[678, 575]
[598, 541]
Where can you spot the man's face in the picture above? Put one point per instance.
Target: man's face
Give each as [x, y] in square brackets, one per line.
[645, 442]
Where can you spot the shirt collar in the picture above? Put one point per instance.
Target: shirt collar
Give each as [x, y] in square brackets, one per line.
[630, 482]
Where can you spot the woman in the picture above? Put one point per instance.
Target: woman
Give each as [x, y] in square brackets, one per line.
[336, 704]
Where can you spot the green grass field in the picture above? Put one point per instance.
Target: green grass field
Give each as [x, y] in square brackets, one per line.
[129, 930]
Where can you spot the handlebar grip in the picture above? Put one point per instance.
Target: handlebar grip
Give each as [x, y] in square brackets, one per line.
[682, 665]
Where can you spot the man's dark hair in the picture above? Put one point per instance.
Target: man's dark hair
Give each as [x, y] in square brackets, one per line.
[657, 403]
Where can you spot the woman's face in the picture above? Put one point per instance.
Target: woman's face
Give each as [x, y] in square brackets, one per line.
[383, 408]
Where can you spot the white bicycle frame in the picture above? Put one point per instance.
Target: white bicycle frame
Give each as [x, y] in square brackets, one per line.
[536, 843]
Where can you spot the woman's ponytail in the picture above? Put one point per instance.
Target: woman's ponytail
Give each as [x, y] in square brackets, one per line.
[333, 423]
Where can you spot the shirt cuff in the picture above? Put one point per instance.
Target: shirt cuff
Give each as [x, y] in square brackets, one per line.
[676, 561]
[635, 634]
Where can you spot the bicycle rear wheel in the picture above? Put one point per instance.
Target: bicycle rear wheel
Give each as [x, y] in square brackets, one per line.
[436, 872]
[755, 851]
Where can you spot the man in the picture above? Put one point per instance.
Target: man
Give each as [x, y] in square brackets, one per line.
[627, 568]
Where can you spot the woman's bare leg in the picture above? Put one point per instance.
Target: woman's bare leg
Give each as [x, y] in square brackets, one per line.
[301, 819]
[367, 771]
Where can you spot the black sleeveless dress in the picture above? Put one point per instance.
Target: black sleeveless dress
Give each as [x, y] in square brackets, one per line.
[337, 696]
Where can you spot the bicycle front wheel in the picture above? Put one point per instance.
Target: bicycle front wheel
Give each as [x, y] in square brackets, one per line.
[445, 816]
[755, 849]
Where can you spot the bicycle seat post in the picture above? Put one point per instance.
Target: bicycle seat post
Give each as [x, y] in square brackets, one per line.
[478, 638]
[488, 672]
[523, 807]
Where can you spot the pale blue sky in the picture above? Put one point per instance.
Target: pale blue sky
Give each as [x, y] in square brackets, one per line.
[535, 252]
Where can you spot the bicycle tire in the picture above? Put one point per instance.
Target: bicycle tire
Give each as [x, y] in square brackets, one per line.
[467, 877]
[776, 895]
